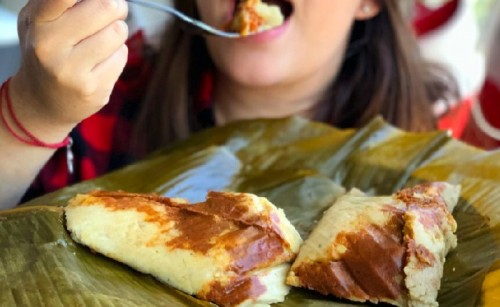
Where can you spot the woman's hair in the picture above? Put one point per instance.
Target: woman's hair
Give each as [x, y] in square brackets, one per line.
[383, 73]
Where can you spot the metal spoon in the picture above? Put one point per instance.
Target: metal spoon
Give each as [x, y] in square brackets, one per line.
[195, 26]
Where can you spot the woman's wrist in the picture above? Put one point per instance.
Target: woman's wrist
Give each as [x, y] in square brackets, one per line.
[34, 117]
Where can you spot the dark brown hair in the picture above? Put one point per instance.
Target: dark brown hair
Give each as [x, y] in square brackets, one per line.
[383, 73]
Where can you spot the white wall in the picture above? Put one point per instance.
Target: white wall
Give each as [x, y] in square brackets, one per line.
[455, 45]
[151, 21]
[9, 61]
[9, 50]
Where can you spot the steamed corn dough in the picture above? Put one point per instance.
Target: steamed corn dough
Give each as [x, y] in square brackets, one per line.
[232, 249]
[381, 249]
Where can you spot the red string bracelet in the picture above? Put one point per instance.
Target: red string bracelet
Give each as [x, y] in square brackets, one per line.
[30, 139]
[6, 124]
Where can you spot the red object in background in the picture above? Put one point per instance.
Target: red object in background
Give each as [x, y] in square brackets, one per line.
[457, 119]
[489, 106]
[427, 20]
[463, 125]
[490, 103]
[460, 120]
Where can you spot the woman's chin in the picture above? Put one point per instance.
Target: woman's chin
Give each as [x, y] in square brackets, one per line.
[256, 80]
[257, 75]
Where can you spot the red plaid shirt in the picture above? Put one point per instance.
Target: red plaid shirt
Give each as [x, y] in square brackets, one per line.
[101, 142]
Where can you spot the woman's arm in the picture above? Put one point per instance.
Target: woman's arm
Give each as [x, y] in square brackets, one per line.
[19, 164]
[72, 54]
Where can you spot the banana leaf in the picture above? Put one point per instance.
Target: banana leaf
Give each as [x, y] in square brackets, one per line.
[301, 166]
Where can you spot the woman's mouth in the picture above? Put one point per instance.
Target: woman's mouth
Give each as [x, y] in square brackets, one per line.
[255, 16]
[285, 6]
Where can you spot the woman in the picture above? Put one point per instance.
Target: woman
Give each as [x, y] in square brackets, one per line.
[341, 62]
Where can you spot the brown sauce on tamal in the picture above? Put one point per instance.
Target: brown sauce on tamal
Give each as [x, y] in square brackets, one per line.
[331, 277]
[235, 293]
[141, 203]
[222, 222]
[424, 256]
[371, 268]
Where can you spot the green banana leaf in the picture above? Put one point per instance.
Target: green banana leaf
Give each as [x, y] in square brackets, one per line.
[301, 166]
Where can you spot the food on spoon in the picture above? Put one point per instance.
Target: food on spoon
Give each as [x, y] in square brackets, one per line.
[381, 249]
[255, 16]
[232, 249]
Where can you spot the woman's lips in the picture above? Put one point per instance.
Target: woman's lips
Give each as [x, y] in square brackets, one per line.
[232, 10]
[267, 35]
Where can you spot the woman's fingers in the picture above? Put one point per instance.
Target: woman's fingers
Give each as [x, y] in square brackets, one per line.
[84, 35]
[109, 70]
[79, 22]
[91, 16]
[76, 50]
[49, 10]
[39, 12]
[97, 48]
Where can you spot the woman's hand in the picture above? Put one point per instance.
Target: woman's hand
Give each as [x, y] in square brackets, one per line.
[72, 54]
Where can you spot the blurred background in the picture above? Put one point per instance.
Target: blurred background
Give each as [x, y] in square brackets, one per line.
[458, 34]
[9, 49]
